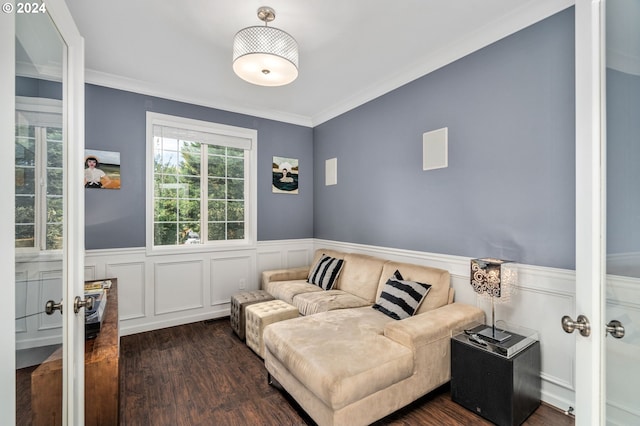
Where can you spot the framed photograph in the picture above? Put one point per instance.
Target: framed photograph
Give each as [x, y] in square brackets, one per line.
[101, 169]
[285, 175]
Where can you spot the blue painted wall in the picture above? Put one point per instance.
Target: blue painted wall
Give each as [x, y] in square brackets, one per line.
[115, 120]
[36, 88]
[509, 190]
[623, 159]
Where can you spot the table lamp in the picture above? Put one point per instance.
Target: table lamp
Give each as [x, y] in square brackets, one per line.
[493, 278]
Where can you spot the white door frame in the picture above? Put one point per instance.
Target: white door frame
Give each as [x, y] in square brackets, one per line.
[73, 263]
[590, 213]
[7, 218]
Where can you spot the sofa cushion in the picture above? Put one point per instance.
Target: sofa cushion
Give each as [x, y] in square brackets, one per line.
[341, 356]
[360, 275]
[439, 279]
[325, 272]
[400, 298]
[287, 290]
[323, 301]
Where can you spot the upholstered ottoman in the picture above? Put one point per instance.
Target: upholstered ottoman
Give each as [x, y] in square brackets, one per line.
[239, 302]
[260, 315]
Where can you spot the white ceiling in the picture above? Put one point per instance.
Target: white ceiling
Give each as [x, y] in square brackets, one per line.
[351, 51]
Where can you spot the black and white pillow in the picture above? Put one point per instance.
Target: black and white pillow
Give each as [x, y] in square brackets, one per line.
[325, 273]
[401, 298]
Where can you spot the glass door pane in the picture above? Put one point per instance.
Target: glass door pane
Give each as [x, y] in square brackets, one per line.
[623, 209]
[39, 224]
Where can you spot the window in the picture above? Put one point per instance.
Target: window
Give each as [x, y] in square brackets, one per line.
[200, 183]
[38, 175]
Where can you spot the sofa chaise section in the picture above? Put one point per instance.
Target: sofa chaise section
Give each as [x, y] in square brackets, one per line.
[355, 366]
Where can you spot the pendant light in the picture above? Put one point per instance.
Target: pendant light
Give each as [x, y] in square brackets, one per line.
[264, 55]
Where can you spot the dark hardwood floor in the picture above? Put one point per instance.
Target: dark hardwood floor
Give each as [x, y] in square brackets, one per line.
[202, 374]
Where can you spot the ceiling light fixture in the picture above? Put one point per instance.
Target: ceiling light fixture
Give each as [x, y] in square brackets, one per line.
[264, 55]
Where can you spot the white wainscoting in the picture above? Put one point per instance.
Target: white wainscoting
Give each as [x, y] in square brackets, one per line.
[167, 290]
[36, 283]
[162, 291]
[623, 355]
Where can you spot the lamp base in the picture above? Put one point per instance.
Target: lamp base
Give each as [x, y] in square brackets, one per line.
[494, 335]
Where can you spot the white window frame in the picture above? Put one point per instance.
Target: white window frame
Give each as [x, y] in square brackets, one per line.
[251, 198]
[41, 113]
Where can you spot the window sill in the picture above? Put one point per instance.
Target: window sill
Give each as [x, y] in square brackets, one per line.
[201, 248]
[23, 256]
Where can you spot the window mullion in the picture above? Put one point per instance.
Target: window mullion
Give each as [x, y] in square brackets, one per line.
[204, 193]
[245, 196]
[40, 216]
[226, 193]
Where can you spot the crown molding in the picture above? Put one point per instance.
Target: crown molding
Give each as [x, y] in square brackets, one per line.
[623, 62]
[534, 11]
[521, 18]
[150, 89]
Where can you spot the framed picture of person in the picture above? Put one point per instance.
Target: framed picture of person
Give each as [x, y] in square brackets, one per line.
[285, 175]
[101, 169]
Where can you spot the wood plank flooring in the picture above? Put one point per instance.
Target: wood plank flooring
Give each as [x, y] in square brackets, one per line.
[202, 374]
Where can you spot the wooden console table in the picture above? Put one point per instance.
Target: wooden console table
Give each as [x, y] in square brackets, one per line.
[101, 375]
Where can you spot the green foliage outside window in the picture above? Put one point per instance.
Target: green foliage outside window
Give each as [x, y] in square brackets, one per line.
[39, 152]
[180, 183]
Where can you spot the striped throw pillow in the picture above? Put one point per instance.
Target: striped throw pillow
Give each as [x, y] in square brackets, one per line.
[325, 272]
[400, 298]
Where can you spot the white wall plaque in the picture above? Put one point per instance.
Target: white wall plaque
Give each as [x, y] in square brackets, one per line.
[331, 171]
[435, 147]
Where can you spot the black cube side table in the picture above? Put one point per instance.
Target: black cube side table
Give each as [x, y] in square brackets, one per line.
[492, 381]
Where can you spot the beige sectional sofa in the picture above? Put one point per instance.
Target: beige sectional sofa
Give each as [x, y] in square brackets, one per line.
[348, 364]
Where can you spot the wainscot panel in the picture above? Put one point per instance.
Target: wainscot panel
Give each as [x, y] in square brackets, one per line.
[178, 286]
[230, 275]
[49, 288]
[131, 275]
[284, 254]
[623, 304]
[21, 302]
[270, 259]
[36, 283]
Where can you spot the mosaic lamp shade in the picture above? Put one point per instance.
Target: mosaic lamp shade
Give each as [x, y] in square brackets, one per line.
[493, 278]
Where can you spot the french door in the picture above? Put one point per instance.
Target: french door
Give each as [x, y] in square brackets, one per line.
[607, 367]
[42, 213]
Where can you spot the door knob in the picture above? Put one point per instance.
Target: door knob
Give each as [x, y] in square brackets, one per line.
[616, 329]
[51, 306]
[79, 303]
[581, 324]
